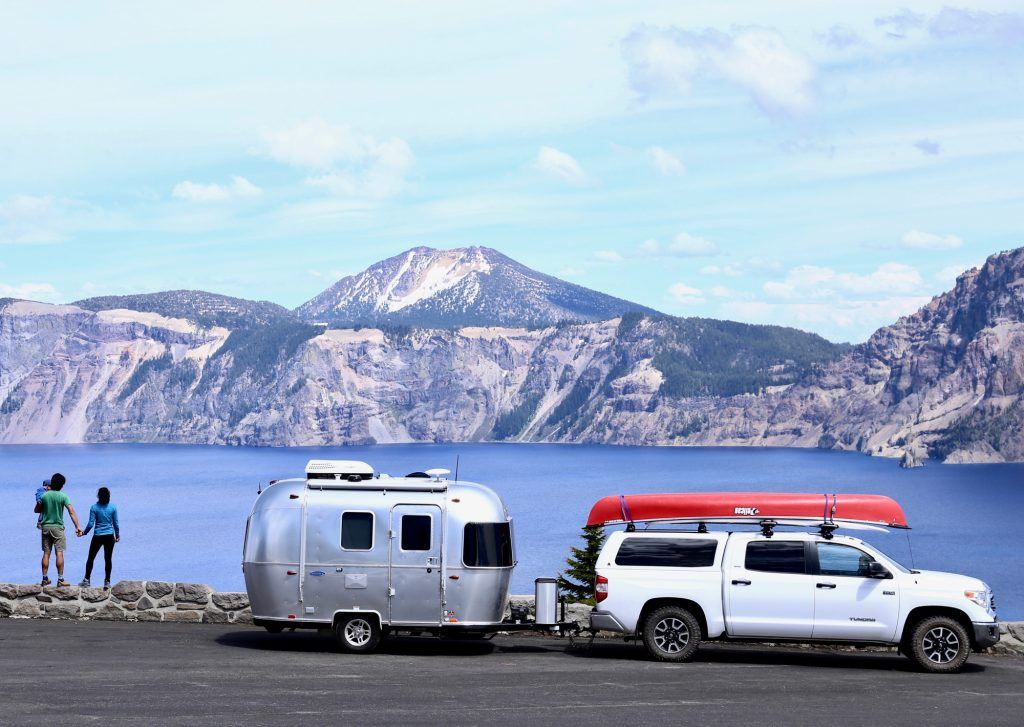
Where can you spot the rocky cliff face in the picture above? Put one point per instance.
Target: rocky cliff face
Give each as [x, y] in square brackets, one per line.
[71, 375]
[945, 382]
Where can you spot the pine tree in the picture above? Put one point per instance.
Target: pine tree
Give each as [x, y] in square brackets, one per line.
[577, 581]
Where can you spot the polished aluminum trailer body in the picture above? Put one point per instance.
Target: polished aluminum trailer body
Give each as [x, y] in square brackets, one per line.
[417, 552]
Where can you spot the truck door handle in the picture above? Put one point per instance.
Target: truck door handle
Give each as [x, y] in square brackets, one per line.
[741, 582]
[826, 585]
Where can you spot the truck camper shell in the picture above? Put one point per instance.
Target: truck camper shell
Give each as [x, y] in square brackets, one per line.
[418, 553]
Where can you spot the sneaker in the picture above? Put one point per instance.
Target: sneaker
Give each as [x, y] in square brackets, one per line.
[84, 583]
[45, 581]
[106, 585]
[61, 583]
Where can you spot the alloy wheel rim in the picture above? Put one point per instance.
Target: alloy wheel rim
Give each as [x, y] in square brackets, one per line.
[671, 635]
[940, 645]
[357, 632]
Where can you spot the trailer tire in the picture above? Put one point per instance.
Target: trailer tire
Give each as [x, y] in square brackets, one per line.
[671, 633]
[358, 634]
[273, 628]
[939, 644]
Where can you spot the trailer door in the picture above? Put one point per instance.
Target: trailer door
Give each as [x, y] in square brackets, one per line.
[415, 564]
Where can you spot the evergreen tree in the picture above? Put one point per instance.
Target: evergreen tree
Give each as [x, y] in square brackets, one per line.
[577, 581]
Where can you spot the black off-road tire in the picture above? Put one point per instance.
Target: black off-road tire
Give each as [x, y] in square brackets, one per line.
[671, 633]
[358, 633]
[939, 644]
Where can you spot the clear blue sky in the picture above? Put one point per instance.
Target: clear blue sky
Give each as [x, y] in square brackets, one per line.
[829, 166]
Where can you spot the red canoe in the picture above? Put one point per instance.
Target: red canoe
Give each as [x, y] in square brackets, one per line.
[748, 506]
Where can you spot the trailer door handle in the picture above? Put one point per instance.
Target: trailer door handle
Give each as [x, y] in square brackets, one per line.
[741, 582]
[826, 585]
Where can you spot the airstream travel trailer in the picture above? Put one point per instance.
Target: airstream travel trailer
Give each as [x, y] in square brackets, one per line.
[365, 554]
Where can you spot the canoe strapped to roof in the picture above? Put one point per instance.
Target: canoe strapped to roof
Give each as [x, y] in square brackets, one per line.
[784, 508]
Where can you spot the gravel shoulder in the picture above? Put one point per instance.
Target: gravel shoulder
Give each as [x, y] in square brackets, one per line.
[62, 672]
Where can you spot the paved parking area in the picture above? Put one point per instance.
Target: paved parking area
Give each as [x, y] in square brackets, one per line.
[62, 672]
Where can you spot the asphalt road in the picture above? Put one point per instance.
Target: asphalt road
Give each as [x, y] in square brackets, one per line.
[57, 672]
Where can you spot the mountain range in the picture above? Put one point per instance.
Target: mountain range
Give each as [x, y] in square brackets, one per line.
[467, 344]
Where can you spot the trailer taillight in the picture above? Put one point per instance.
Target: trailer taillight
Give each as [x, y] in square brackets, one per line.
[600, 589]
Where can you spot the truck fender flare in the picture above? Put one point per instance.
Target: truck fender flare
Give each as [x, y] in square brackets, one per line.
[692, 606]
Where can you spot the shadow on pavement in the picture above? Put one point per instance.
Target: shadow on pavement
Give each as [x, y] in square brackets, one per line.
[766, 655]
[300, 641]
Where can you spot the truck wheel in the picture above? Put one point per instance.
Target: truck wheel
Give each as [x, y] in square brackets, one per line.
[939, 644]
[671, 634]
[358, 634]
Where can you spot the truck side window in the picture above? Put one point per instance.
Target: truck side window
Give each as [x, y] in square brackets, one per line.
[667, 552]
[842, 560]
[776, 556]
[357, 531]
[416, 532]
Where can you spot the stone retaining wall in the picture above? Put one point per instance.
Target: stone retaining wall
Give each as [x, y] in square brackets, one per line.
[126, 601]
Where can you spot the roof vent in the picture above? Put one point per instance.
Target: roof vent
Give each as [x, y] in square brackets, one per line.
[338, 469]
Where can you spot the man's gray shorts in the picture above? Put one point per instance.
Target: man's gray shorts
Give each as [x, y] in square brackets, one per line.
[53, 537]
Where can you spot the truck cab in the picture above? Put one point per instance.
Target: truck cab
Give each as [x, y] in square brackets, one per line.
[674, 589]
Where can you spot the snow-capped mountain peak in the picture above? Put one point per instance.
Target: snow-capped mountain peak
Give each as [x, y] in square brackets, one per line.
[462, 286]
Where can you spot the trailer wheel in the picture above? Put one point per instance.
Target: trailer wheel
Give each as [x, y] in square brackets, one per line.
[273, 628]
[358, 634]
[939, 644]
[671, 634]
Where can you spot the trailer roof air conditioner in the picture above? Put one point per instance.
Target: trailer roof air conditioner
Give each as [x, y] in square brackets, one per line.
[338, 469]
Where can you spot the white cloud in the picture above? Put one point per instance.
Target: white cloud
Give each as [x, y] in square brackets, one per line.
[559, 165]
[665, 162]
[27, 219]
[952, 23]
[841, 37]
[608, 256]
[349, 163]
[683, 294]
[240, 187]
[814, 282]
[948, 274]
[28, 291]
[571, 272]
[839, 319]
[918, 240]
[667, 61]
[686, 245]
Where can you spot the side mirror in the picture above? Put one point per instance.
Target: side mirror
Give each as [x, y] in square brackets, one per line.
[877, 570]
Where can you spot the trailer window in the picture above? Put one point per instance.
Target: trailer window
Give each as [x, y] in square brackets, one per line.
[667, 552]
[776, 556]
[416, 532]
[487, 545]
[357, 531]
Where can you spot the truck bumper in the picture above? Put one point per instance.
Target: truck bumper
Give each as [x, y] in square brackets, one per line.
[985, 635]
[604, 621]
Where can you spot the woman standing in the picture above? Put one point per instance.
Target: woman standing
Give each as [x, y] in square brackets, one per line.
[102, 516]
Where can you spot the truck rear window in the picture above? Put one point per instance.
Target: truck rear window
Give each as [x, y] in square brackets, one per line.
[487, 545]
[776, 556]
[667, 552]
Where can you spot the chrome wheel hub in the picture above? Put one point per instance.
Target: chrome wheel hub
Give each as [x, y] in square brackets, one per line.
[357, 632]
[940, 645]
[671, 635]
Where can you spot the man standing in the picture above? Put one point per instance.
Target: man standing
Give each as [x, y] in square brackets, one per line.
[51, 506]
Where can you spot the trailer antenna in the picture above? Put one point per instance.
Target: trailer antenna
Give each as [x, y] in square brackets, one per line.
[259, 488]
[456, 468]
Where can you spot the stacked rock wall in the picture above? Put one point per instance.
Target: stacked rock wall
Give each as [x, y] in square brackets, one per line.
[126, 601]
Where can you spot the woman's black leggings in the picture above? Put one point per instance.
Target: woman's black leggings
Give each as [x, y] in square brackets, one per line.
[107, 543]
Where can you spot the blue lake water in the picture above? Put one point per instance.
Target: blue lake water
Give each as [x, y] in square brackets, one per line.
[183, 508]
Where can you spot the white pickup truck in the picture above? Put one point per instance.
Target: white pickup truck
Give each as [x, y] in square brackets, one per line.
[676, 589]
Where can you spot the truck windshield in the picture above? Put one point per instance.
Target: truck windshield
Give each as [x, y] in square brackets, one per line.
[487, 545]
